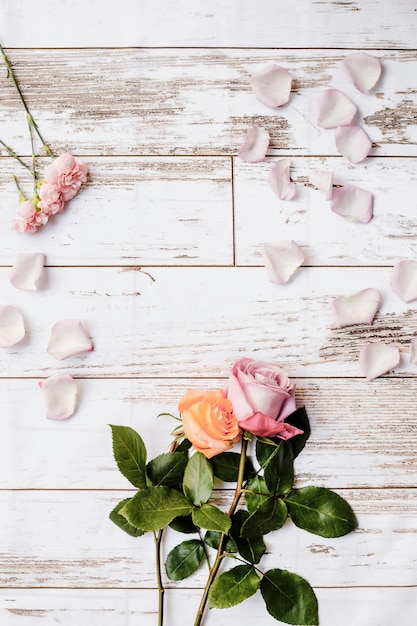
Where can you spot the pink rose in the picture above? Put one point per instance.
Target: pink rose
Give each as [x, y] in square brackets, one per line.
[51, 200]
[262, 397]
[30, 219]
[67, 174]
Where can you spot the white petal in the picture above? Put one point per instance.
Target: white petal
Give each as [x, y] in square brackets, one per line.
[362, 70]
[12, 326]
[376, 359]
[352, 142]
[354, 203]
[358, 308]
[27, 271]
[272, 85]
[60, 392]
[334, 109]
[403, 280]
[68, 338]
[413, 351]
[281, 260]
[323, 181]
[255, 145]
[279, 180]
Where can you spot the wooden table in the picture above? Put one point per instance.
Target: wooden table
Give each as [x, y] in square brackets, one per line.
[158, 256]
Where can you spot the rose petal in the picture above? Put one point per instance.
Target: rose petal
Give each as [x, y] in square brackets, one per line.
[354, 203]
[60, 392]
[362, 70]
[334, 109]
[68, 338]
[12, 326]
[376, 359]
[27, 271]
[281, 260]
[358, 308]
[323, 181]
[279, 180]
[352, 142]
[413, 351]
[272, 85]
[255, 145]
[403, 280]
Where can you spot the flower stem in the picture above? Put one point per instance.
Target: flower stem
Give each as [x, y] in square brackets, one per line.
[14, 155]
[161, 591]
[22, 195]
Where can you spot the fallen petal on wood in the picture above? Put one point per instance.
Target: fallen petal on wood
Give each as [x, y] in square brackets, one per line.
[403, 280]
[60, 393]
[281, 260]
[27, 271]
[334, 109]
[12, 326]
[362, 70]
[352, 142]
[357, 308]
[376, 359]
[255, 145]
[279, 180]
[69, 338]
[322, 180]
[272, 85]
[352, 202]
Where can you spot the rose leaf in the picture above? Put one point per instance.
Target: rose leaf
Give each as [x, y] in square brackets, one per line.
[155, 507]
[130, 454]
[198, 479]
[289, 598]
[211, 518]
[184, 559]
[167, 469]
[122, 522]
[233, 587]
[270, 515]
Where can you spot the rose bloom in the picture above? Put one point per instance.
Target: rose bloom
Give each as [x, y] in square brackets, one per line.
[67, 174]
[30, 219]
[262, 396]
[208, 421]
[51, 200]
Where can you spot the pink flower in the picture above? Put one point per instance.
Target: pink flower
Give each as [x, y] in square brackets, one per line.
[51, 200]
[67, 174]
[262, 397]
[30, 219]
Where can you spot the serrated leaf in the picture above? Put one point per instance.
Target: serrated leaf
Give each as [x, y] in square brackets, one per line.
[183, 524]
[250, 548]
[233, 587]
[122, 522]
[289, 598]
[321, 511]
[198, 479]
[212, 539]
[266, 449]
[279, 471]
[299, 419]
[254, 493]
[226, 466]
[184, 559]
[155, 507]
[167, 469]
[270, 515]
[211, 518]
[130, 454]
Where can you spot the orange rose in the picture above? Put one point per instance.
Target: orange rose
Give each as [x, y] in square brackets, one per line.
[208, 421]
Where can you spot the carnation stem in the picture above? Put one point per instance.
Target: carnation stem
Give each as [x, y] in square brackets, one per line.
[14, 155]
[161, 591]
[22, 195]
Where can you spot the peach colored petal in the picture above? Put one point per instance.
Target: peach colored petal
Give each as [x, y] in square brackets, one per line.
[323, 181]
[279, 180]
[12, 326]
[60, 393]
[403, 280]
[281, 260]
[27, 271]
[352, 202]
[376, 359]
[413, 351]
[362, 70]
[272, 85]
[255, 145]
[334, 109]
[357, 308]
[68, 338]
[352, 142]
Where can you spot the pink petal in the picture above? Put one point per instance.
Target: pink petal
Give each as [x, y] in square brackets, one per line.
[358, 308]
[362, 70]
[12, 326]
[352, 142]
[281, 260]
[334, 109]
[279, 180]
[272, 85]
[60, 392]
[323, 181]
[27, 271]
[413, 351]
[403, 280]
[354, 203]
[68, 338]
[255, 145]
[376, 359]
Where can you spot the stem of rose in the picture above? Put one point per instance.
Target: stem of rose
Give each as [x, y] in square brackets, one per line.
[161, 591]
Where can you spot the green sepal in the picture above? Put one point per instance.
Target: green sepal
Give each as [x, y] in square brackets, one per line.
[289, 598]
[212, 539]
[155, 507]
[211, 518]
[233, 587]
[251, 548]
[270, 515]
[198, 479]
[130, 454]
[226, 466]
[167, 469]
[122, 522]
[184, 559]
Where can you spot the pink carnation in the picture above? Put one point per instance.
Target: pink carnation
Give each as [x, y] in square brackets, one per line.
[51, 200]
[67, 174]
[30, 219]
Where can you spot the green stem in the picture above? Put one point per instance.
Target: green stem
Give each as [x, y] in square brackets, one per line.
[22, 196]
[206, 554]
[161, 591]
[14, 155]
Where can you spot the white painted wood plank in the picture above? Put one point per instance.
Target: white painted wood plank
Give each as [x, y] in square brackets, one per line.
[132, 211]
[266, 23]
[193, 101]
[354, 442]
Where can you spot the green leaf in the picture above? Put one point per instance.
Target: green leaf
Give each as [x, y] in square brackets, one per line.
[130, 454]
[155, 507]
[183, 524]
[167, 469]
[289, 598]
[226, 466]
[184, 559]
[270, 515]
[250, 548]
[184, 446]
[299, 419]
[279, 471]
[321, 512]
[212, 539]
[233, 586]
[211, 518]
[266, 449]
[198, 479]
[122, 522]
[254, 493]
